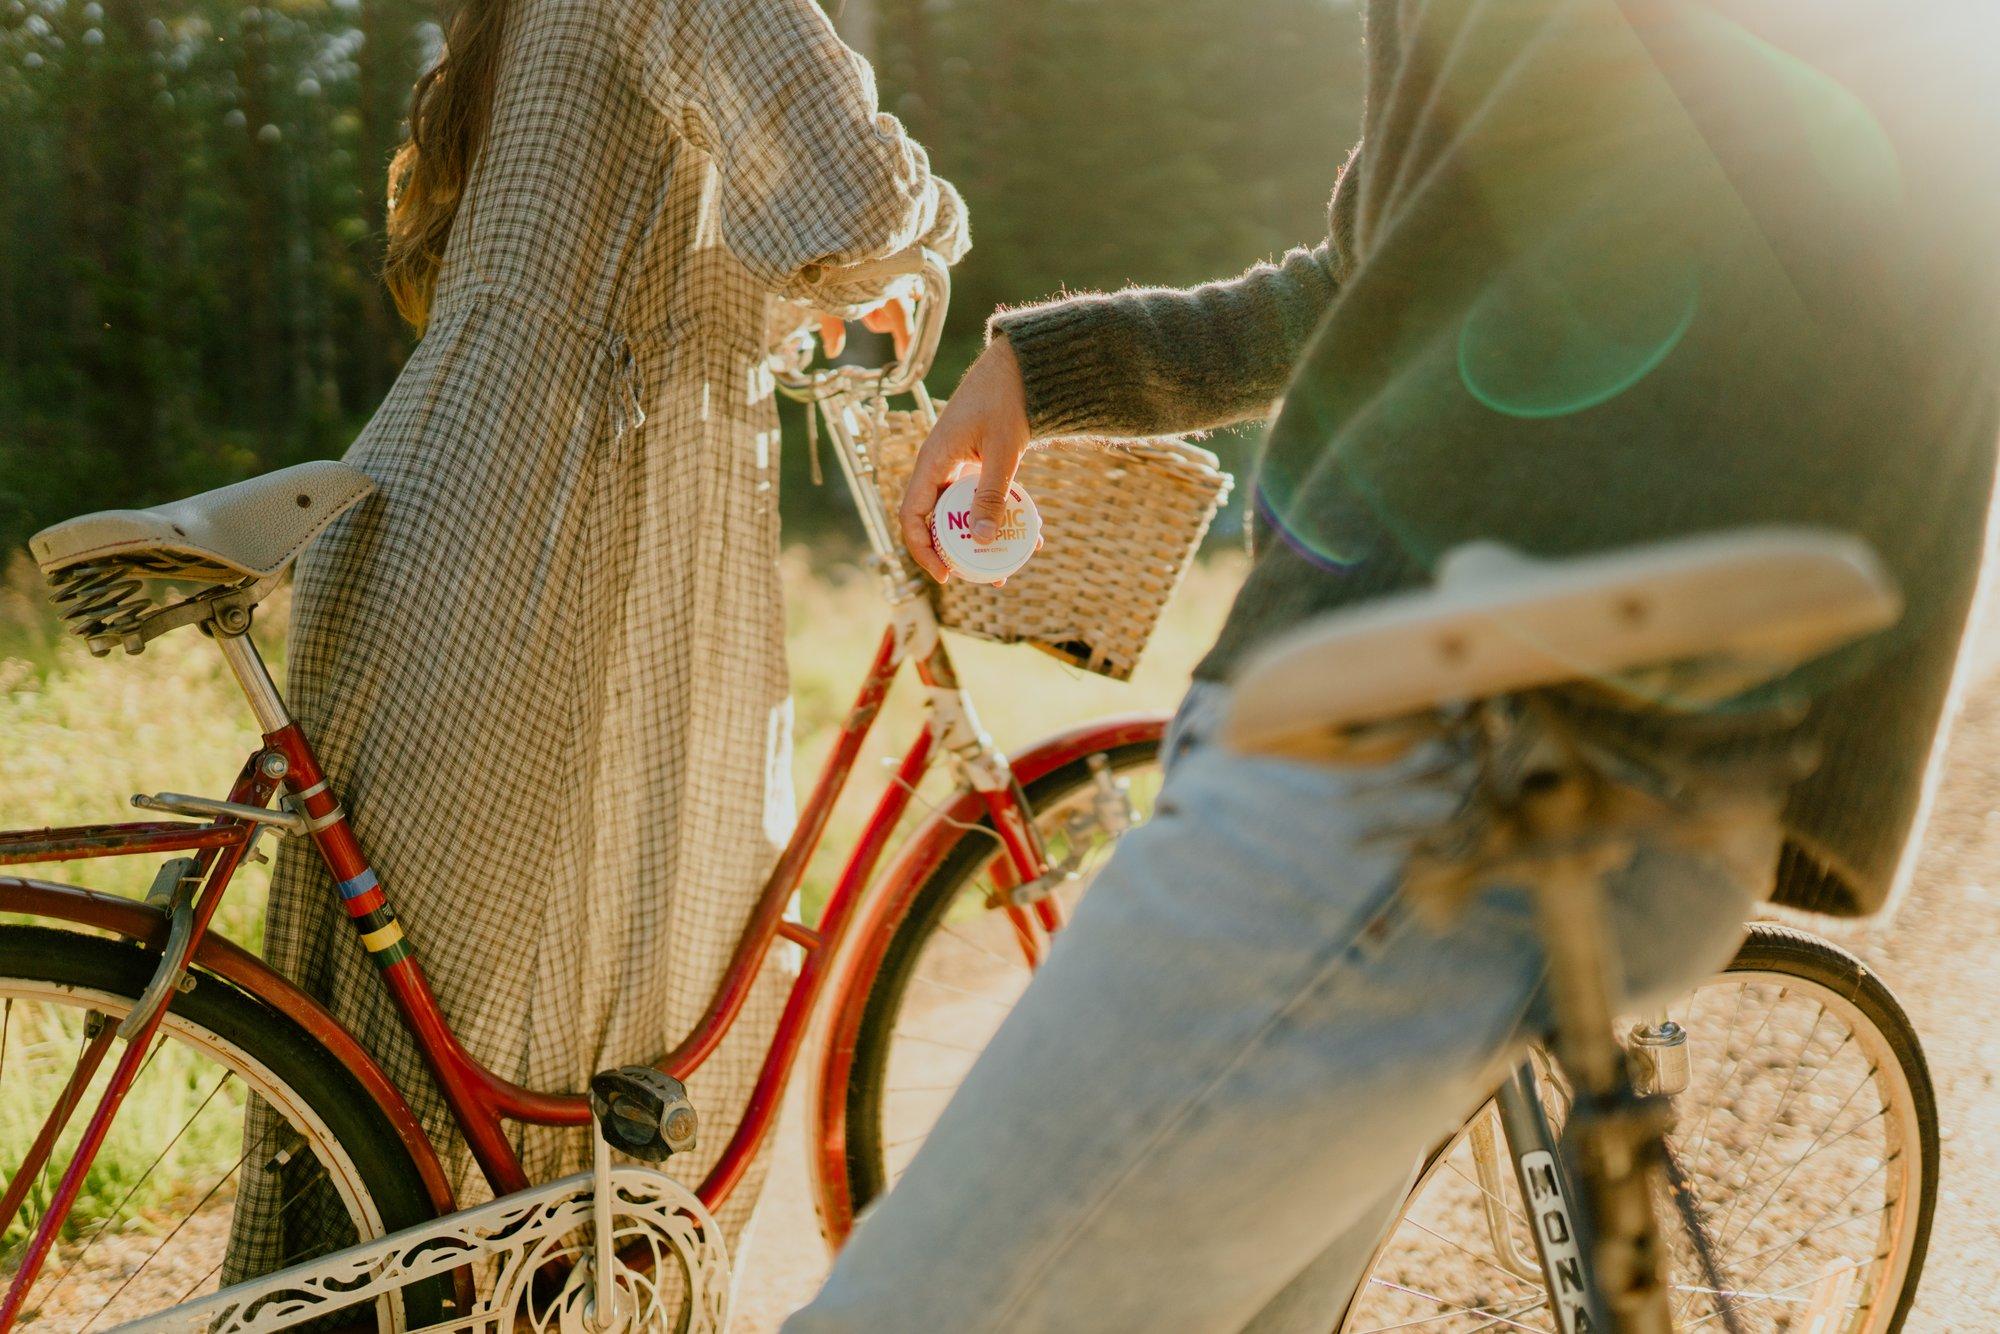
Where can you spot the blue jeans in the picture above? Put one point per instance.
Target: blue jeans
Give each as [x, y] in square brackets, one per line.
[1206, 1109]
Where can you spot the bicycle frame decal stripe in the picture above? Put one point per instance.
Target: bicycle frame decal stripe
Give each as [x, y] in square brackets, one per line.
[370, 902]
[359, 885]
[370, 923]
[395, 954]
[377, 941]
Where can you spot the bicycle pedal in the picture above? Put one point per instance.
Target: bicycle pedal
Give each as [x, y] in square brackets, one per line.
[643, 1112]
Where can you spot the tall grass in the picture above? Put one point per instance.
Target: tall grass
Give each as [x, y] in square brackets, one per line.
[78, 736]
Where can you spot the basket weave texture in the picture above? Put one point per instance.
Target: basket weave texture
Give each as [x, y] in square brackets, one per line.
[1121, 522]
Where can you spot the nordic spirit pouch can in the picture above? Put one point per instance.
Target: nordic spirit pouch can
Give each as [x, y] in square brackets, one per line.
[984, 562]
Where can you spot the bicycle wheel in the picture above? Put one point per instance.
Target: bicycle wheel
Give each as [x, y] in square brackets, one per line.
[152, 1224]
[1806, 1144]
[953, 968]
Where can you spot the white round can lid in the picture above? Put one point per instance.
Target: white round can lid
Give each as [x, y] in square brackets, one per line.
[984, 562]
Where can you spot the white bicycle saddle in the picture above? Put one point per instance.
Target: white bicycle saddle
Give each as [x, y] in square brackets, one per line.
[1750, 603]
[253, 529]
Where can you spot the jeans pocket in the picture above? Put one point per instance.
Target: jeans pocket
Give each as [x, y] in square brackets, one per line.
[1194, 723]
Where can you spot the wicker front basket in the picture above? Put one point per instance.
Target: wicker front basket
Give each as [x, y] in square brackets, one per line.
[1120, 525]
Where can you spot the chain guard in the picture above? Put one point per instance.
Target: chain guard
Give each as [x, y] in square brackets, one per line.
[680, 1283]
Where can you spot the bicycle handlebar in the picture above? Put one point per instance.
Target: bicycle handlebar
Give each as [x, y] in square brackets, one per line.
[901, 375]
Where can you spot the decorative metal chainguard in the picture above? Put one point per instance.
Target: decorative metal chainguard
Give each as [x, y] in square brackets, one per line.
[677, 1277]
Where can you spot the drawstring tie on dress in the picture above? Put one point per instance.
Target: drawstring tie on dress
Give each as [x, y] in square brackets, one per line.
[628, 395]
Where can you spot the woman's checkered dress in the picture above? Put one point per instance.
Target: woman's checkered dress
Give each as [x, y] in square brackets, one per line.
[544, 663]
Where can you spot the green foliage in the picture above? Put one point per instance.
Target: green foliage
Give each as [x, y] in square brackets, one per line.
[191, 200]
[190, 217]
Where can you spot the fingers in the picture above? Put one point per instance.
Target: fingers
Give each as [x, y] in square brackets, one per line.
[832, 335]
[892, 317]
[936, 462]
[989, 497]
[985, 423]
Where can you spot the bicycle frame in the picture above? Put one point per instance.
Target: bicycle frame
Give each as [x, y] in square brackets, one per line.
[481, 1101]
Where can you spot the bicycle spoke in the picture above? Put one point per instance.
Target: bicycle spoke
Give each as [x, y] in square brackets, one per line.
[1526, 1306]
[89, 1058]
[201, 1282]
[938, 1042]
[1728, 1032]
[145, 1176]
[1017, 965]
[1512, 1212]
[1460, 1247]
[1493, 1318]
[1814, 1150]
[1754, 1299]
[1867, 1081]
[1002, 1006]
[1791, 1087]
[1498, 1320]
[1765, 1268]
[1749, 1045]
[1815, 1230]
[220, 1181]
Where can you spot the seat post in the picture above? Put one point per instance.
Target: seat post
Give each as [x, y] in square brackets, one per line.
[251, 674]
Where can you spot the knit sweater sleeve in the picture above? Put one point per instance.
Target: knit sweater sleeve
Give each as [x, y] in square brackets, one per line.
[1158, 361]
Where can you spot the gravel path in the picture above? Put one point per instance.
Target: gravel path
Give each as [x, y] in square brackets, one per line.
[1939, 955]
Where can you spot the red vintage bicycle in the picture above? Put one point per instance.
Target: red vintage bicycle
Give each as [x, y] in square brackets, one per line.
[152, 1007]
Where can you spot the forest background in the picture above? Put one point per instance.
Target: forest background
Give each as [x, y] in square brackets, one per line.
[192, 193]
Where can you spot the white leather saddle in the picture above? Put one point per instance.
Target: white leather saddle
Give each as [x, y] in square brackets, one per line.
[1735, 609]
[251, 530]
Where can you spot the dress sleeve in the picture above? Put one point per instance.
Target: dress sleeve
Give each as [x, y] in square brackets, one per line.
[812, 175]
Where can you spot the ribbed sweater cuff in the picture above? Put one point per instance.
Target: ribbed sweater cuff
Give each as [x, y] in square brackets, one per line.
[1066, 362]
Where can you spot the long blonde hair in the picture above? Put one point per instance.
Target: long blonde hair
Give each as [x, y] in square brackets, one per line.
[450, 108]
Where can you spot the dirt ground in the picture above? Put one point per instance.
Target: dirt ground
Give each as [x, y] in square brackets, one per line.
[1940, 953]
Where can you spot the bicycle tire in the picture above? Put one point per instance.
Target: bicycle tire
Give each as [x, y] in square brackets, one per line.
[263, 1047]
[867, 1165]
[1778, 951]
[1777, 948]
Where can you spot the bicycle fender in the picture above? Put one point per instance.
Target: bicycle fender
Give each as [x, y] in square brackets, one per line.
[224, 959]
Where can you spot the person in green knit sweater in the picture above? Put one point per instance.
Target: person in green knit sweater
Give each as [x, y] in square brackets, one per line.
[1603, 272]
